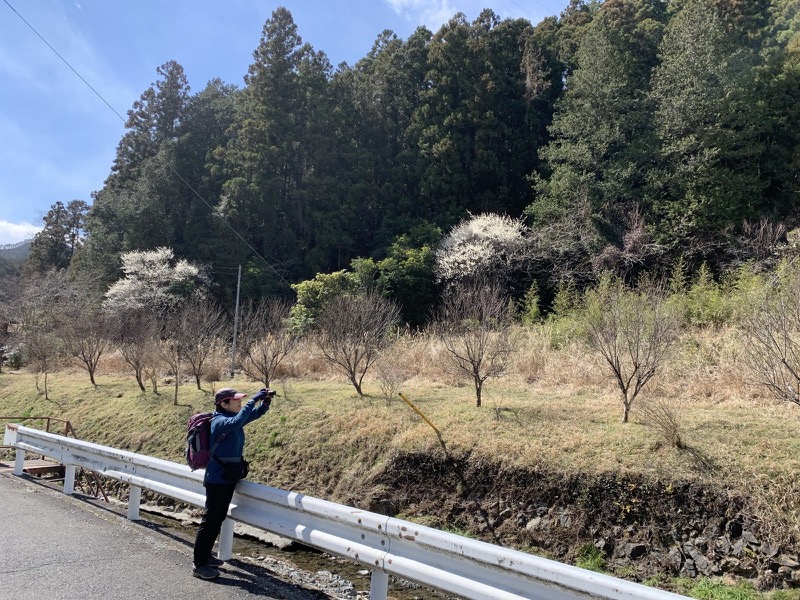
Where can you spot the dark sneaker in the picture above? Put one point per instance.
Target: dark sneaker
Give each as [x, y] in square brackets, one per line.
[205, 572]
[215, 562]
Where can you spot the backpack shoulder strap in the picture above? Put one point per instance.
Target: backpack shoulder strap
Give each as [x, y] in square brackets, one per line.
[216, 442]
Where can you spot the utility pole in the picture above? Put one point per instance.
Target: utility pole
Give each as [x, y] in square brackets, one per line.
[236, 321]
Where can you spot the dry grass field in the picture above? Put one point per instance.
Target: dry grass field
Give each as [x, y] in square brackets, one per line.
[556, 408]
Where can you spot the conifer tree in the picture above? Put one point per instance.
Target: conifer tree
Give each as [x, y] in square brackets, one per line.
[54, 246]
[712, 129]
[602, 144]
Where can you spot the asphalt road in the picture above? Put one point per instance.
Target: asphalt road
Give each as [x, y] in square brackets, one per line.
[54, 546]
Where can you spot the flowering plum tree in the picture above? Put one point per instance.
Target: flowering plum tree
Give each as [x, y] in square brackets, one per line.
[487, 246]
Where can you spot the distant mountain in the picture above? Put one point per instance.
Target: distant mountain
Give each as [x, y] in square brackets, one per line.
[16, 253]
[11, 258]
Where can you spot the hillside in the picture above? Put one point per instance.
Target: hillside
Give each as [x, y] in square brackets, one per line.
[618, 142]
[8, 278]
[545, 465]
[15, 253]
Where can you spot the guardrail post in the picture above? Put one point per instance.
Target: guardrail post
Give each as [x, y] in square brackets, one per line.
[69, 479]
[225, 550]
[379, 585]
[134, 500]
[19, 462]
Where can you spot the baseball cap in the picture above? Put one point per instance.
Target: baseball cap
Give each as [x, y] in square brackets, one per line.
[227, 394]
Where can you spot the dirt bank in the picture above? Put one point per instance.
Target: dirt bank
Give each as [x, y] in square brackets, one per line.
[641, 529]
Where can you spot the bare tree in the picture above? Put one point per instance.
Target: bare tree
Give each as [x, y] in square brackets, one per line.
[266, 338]
[562, 245]
[772, 336]
[198, 325]
[152, 367]
[632, 330]
[351, 331]
[85, 336]
[168, 352]
[5, 333]
[135, 333]
[37, 311]
[44, 353]
[474, 323]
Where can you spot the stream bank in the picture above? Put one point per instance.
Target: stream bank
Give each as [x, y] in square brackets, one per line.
[636, 528]
[639, 528]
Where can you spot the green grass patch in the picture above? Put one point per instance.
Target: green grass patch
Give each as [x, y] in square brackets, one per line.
[713, 589]
[589, 557]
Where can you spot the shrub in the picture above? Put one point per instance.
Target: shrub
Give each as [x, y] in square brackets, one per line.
[529, 306]
[564, 323]
[707, 303]
[660, 417]
[314, 295]
[15, 359]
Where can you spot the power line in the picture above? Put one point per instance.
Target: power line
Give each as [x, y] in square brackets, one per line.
[64, 61]
[171, 168]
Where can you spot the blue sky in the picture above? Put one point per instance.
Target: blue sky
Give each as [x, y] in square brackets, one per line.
[58, 139]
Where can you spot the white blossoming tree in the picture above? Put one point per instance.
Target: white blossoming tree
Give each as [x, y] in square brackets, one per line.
[486, 246]
[155, 281]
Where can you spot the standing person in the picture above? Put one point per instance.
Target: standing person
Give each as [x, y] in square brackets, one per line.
[223, 470]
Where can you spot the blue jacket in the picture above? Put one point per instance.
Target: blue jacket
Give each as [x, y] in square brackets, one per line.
[232, 446]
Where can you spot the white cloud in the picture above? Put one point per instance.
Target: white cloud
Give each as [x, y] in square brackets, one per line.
[432, 13]
[11, 233]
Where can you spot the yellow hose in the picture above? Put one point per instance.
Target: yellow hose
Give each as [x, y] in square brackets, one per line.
[419, 412]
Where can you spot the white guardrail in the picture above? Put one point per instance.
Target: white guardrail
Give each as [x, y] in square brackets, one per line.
[388, 546]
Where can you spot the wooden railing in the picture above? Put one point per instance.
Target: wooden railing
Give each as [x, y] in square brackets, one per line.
[65, 428]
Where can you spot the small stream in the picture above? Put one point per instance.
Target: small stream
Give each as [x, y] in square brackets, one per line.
[305, 559]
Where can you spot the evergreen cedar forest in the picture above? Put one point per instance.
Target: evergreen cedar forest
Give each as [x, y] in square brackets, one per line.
[624, 136]
[623, 174]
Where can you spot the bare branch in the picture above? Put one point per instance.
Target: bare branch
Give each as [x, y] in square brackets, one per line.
[632, 331]
[772, 336]
[266, 338]
[474, 323]
[352, 331]
[198, 326]
[135, 335]
[85, 335]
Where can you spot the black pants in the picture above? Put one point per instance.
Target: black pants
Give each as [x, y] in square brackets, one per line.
[218, 499]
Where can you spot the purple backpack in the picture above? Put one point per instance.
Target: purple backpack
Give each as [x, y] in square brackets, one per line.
[198, 440]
